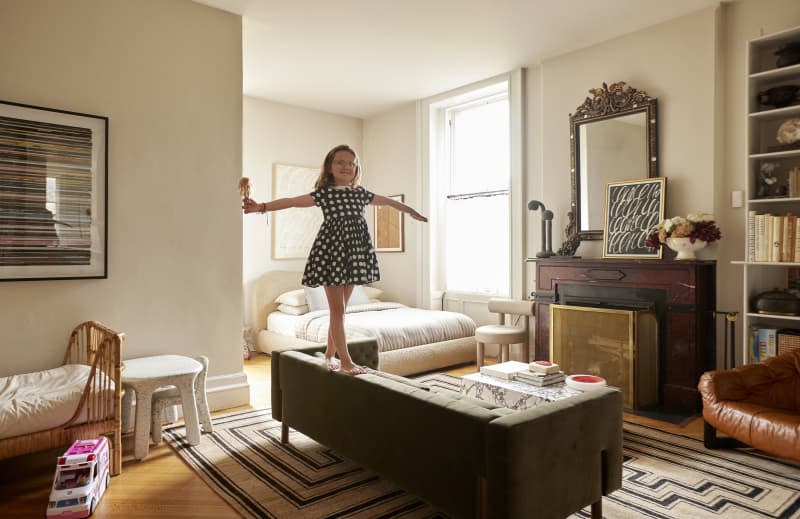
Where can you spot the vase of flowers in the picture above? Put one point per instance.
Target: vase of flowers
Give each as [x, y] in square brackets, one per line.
[685, 235]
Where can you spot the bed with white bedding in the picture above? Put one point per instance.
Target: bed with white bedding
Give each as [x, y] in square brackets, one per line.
[410, 340]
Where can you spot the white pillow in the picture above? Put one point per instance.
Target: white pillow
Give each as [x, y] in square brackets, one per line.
[315, 298]
[294, 310]
[358, 297]
[372, 292]
[292, 298]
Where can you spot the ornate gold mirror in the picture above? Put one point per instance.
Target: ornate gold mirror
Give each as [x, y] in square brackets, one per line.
[613, 136]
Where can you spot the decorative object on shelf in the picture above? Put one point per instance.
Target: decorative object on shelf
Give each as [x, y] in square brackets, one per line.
[632, 208]
[788, 54]
[777, 302]
[780, 96]
[766, 179]
[547, 229]
[789, 131]
[696, 227]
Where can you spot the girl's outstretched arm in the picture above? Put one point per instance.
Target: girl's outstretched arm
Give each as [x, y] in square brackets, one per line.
[251, 206]
[400, 206]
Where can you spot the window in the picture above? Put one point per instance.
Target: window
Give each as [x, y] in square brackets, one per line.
[475, 195]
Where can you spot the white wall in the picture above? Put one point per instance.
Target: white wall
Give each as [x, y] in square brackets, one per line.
[694, 65]
[390, 148]
[275, 132]
[681, 79]
[169, 77]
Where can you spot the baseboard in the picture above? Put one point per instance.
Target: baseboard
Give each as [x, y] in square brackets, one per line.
[226, 391]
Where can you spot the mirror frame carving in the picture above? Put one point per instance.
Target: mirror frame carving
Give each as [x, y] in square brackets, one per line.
[608, 102]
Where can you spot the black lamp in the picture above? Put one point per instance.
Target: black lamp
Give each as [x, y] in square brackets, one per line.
[547, 229]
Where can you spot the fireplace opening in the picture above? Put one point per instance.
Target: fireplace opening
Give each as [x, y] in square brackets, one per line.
[620, 345]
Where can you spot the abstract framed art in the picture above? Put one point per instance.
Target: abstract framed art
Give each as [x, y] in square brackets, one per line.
[632, 209]
[53, 194]
[388, 226]
[294, 229]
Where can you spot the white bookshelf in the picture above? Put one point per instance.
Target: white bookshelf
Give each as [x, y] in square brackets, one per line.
[762, 124]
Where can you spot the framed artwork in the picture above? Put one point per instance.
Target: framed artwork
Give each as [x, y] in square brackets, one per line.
[293, 229]
[632, 209]
[53, 194]
[388, 227]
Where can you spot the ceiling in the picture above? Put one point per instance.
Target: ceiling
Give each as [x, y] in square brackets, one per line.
[362, 57]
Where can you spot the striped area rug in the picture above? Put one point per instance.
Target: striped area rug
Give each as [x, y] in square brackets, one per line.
[665, 476]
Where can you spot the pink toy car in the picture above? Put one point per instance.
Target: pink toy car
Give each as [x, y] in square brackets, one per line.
[81, 479]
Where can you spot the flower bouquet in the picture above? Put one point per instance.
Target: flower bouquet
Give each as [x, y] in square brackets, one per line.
[685, 235]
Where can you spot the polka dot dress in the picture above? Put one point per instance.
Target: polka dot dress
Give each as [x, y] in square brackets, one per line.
[342, 253]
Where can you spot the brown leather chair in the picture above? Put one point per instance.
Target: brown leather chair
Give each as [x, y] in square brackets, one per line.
[756, 404]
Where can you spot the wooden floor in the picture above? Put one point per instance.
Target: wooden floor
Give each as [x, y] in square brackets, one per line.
[162, 485]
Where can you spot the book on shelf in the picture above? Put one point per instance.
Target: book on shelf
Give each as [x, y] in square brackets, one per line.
[763, 343]
[777, 239]
[505, 370]
[751, 236]
[773, 238]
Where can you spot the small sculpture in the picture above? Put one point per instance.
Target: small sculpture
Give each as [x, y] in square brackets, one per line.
[547, 229]
[766, 178]
[789, 131]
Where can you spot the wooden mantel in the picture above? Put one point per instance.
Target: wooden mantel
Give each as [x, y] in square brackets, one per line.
[682, 293]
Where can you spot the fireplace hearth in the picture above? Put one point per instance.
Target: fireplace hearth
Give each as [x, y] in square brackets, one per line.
[679, 295]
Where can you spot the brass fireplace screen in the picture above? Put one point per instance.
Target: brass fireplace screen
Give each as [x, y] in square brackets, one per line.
[618, 345]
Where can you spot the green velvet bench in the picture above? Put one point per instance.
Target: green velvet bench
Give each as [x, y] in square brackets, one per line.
[464, 456]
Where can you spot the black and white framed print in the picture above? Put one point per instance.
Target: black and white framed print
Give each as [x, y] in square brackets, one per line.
[53, 193]
[632, 209]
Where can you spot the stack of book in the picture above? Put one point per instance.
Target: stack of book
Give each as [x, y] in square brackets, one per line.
[541, 373]
[505, 370]
[539, 379]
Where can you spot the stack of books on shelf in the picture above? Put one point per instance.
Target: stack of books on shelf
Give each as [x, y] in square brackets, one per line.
[541, 373]
[772, 238]
[769, 342]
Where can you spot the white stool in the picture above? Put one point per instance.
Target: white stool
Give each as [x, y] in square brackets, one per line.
[170, 396]
[144, 376]
[502, 334]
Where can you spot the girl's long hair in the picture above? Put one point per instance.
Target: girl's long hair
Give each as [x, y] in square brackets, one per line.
[325, 178]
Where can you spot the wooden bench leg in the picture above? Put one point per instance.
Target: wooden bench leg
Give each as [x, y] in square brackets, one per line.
[597, 509]
[284, 433]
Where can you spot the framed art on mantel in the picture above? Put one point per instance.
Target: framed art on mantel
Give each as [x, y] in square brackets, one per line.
[389, 228]
[53, 193]
[632, 209]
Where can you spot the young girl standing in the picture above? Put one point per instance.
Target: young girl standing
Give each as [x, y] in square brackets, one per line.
[342, 255]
